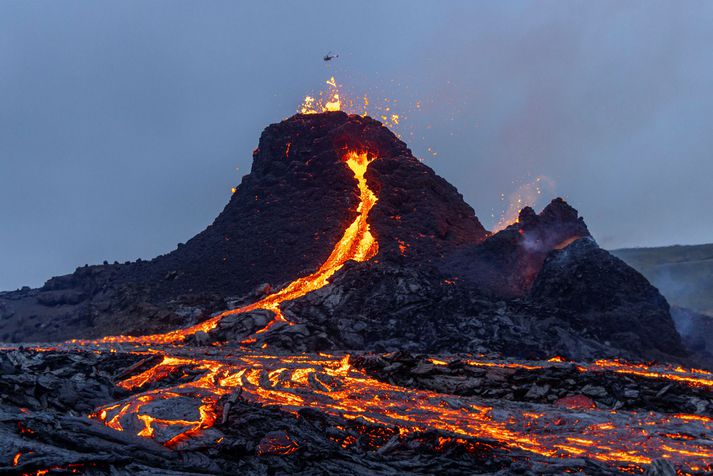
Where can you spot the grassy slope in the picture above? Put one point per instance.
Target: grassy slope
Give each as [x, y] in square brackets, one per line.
[683, 274]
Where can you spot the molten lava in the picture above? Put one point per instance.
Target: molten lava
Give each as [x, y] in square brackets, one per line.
[330, 384]
[526, 195]
[357, 244]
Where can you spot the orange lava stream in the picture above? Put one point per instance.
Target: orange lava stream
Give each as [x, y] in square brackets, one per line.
[328, 383]
[690, 377]
[357, 244]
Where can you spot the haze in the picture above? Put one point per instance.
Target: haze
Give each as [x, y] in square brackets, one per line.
[124, 125]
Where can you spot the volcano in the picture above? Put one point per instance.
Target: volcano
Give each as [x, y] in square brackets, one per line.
[348, 312]
[435, 269]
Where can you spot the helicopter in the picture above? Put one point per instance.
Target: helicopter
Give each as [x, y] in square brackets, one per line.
[329, 56]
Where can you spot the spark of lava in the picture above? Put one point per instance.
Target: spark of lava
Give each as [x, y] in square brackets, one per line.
[334, 99]
[525, 195]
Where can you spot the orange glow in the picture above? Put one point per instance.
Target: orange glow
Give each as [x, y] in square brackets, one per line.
[693, 377]
[526, 195]
[333, 99]
[332, 385]
[402, 247]
[356, 244]
[148, 430]
[326, 102]
[566, 243]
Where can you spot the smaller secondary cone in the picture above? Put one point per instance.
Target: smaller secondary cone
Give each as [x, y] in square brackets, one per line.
[612, 300]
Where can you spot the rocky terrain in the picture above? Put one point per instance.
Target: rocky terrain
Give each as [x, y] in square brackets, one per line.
[281, 222]
[385, 308]
[603, 384]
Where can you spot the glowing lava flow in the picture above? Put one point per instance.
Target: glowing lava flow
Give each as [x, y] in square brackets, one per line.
[331, 385]
[357, 244]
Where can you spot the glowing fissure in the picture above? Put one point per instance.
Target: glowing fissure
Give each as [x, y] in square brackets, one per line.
[357, 244]
[689, 377]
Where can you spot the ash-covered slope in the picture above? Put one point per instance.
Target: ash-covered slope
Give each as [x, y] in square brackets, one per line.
[439, 282]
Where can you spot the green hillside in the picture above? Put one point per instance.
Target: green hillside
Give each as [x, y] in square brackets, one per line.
[683, 274]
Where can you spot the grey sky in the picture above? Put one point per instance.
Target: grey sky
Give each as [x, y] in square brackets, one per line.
[122, 123]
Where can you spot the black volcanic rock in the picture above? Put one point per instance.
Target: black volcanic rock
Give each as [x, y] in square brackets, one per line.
[385, 308]
[265, 402]
[286, 215]
[419, 217]
[543, 384]
[596, 291]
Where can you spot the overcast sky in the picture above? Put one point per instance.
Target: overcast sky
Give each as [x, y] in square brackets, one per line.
[123, 125]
